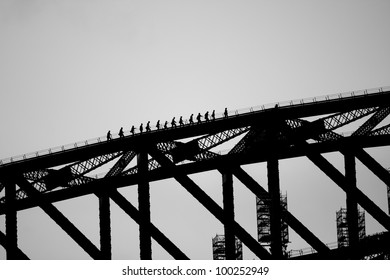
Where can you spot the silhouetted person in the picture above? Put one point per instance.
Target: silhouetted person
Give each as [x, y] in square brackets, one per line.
[158, 124]
[141, 128]
[206, 116]
[132, 129]
[121, 135]
[225, 114]
[148, 126]
[166, 125]
[199, 118]
[191, 119]
[181, 121]
[109, 135]
[173, 122]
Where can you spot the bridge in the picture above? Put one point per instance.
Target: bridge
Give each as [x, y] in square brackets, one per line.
[263, 134]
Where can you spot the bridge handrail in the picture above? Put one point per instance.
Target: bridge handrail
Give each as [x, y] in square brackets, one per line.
[308, 250]
[334, 245]
[220, 115]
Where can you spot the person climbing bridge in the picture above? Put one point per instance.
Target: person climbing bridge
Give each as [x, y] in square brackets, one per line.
[132, 130]
[166, 125]
[191, 120]
[121, 135]
[225, 114]
[206, 116]
[109, 135]
[148, 126]
[173, 122]
[181, 123]
[199, 118]
[158, 124]
[141, 128]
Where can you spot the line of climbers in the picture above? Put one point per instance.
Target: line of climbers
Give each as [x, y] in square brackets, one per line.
[173, 123]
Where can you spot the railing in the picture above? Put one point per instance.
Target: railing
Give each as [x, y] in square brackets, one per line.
[308, 250]
[186, 122]
[334, 245]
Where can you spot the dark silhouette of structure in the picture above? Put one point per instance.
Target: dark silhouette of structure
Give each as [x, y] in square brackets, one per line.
[220, 252]
[301, 128]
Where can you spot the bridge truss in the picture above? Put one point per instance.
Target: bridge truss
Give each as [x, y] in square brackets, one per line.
[266, 134]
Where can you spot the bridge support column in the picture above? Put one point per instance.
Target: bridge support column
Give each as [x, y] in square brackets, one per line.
[228, 212]
[275, 223]
[11, 221]
[144, 207]
[352, 205]
[105, 226]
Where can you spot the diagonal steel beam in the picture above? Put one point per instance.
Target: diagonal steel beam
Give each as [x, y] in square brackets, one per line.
[126, 206]
[60, 219]
[376, 168]
[372, 122]
[19, 253]
[210, 205]
[121, 164]
[342, 182]
[293, 222]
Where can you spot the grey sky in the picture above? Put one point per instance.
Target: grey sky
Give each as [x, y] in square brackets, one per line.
[71, 70]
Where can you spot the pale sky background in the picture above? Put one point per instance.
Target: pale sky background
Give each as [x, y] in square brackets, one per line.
[71, 70]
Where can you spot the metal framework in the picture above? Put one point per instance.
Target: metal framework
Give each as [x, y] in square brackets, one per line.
[342, 227]
[264, 222]
[269, 134]
[219, 248]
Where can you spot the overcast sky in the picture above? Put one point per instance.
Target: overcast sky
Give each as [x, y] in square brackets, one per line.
[71, 70]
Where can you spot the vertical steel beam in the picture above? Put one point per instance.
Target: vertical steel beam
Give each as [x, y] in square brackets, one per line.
[11, 230]
[130, 210]
[352, 205]
[209, 204]
[144, 207]
[274, 191]
[3, 242]
[340, 180]
[228, 212]
[60, 219]
[292, 221]
[105, 226]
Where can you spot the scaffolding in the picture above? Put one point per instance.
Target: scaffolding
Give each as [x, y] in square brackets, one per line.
[219, 248]
[264, 222]
[342, 227]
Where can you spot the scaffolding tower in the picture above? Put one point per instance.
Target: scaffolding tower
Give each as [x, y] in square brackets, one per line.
[342, 227]
[219, 248]
[264, 222]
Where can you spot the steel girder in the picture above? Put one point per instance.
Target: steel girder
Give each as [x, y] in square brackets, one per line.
[60, 219]
[19, 253]
[169, 153]
[210, 205]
